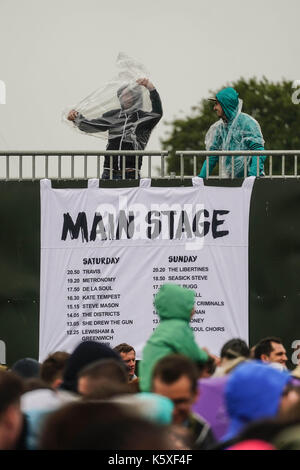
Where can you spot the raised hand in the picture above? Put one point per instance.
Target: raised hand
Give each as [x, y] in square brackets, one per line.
[72, 115]
[146, 83]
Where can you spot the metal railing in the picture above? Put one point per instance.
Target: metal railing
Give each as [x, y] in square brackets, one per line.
[254, 154]
[48, 158]
[64, 165]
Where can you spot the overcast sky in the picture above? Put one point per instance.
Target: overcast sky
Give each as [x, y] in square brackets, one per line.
[54, 53]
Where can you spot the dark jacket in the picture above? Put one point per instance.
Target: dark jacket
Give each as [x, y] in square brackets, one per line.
[126, 131]
[202, 435]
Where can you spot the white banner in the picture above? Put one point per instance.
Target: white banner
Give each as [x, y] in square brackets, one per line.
[105, 252]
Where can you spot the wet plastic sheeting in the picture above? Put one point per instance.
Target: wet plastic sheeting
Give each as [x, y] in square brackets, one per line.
[116, 109]
[238, 134]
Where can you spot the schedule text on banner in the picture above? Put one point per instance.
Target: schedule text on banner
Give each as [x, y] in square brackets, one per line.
[105, 252]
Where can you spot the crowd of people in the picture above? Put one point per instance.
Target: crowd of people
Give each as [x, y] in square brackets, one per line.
[178, 397]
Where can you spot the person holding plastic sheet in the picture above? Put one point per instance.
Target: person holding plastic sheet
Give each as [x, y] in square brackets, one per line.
[234, 131]
[129, 126]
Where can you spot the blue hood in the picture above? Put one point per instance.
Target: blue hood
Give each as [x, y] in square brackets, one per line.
[253, 391]
[229, 100]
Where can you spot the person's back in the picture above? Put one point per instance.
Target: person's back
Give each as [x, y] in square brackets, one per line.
[175, 306]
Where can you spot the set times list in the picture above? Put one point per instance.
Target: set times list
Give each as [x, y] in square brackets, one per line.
[93, 296]
[93, 304]
[188, 272]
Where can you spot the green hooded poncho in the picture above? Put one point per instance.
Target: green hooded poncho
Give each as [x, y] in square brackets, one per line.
[239, 132]
[173, 335]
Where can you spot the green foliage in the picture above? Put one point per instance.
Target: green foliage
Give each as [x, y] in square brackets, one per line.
[269, 103]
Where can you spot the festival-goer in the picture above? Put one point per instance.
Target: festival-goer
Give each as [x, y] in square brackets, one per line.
[101, 374]
[255, 391]
[127, 353]
[210, 404]
[233, 352]
[129, 127]
[175, 376]
[271, 350]
[234, 131]
[175, 307]
[11, 418]
[27, 368]
[102, 426]
[52, 368]
[85, 353]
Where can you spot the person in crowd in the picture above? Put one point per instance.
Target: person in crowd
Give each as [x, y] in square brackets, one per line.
[35, 384]
[84, 354]
[107, 390]
[27, 368]
[101, 426]
[52, 368]
[102, 374]
[175, 376]
[208, 368]
[41, 399]
[262, 430]
[151, 406]
[285, 423]
[11, 418]
[129, 127]
[234, 348]
[267, 430]
[210, 403]
[234, 131]
[175, 307]
[255, 391]
[128, 355]
[271, 350]
[36, 405]
[232, 353]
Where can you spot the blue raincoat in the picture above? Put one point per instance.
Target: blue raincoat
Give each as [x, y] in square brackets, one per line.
[239, 132]
[253, 391]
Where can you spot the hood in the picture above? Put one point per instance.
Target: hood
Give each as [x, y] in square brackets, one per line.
[84, 354]
[26, 368]
[253, 392]
[151, 406]
[135, 92]
[210, 404]
[174, 302]
[229, 100]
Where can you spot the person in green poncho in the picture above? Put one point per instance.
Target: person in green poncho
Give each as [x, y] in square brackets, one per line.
[234, 131]
[175, 307]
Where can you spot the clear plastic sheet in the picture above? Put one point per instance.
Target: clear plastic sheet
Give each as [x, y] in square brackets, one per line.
[242, 133]
[123, 111]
